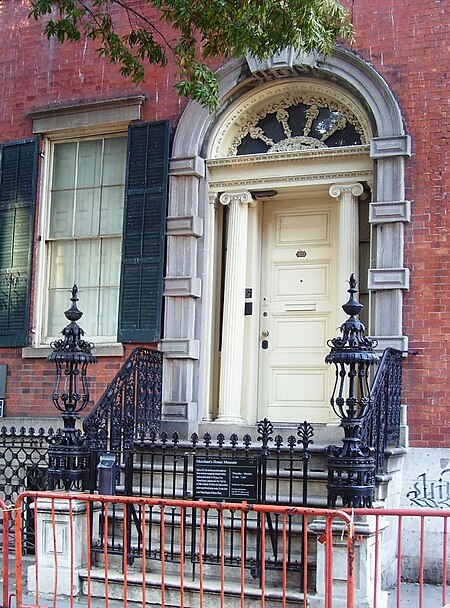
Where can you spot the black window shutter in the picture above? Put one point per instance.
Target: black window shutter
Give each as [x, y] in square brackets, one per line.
[141, 281]
[18, 176]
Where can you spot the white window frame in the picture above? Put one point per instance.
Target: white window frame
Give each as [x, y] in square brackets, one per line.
[43, 261]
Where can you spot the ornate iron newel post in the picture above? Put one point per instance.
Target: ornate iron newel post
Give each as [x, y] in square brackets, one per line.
[351, 468]
[68, 455]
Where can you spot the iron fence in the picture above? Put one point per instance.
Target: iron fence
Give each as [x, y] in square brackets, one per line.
[24, 460]
[205, 469]
[24, 466]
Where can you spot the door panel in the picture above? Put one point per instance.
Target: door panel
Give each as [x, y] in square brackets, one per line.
[298, 308]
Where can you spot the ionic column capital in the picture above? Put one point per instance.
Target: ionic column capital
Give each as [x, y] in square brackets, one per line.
[242, 197]
[337, 190]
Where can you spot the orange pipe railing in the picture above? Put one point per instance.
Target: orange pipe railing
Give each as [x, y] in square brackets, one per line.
[5, 554]
[422, 515]
[204, 514]
[144, 506]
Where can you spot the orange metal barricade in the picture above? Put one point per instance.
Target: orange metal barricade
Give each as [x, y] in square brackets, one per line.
[5, 553]
[106, 575]
[426, 520]
[59, 525]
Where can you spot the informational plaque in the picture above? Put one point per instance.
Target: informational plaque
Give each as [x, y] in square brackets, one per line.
[226, 479]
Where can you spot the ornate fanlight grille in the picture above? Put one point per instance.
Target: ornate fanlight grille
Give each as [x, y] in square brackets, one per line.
[298, 123]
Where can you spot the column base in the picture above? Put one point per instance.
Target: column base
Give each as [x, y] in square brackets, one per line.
[225, 419]
[318, 601]
[364, 562]
[69, 581]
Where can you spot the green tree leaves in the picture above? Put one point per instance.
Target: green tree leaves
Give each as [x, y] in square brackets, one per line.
[200, 30]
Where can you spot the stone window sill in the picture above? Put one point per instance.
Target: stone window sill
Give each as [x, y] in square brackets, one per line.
[100, 350]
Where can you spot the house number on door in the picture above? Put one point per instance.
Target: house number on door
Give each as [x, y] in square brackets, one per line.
[301, 253]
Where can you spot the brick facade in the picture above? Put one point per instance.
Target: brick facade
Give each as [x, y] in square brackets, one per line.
[407, 44]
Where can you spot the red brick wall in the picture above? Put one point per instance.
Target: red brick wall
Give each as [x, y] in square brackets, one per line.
[37, 73]
[407, 43]
[30, 381]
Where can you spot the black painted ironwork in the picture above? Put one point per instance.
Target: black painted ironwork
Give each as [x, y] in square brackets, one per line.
[68, 454]
[23, 466]
[351, 468]
[298, 124]
[163, 466]
[128, 411]
[381, 428]
[24, 460]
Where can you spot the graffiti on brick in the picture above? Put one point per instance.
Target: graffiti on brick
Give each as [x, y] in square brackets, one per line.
[432, 493]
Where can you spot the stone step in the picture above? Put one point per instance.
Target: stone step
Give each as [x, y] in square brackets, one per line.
[172, 523]
[150, 587]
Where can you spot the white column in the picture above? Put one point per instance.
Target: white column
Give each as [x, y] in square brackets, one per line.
[348, 229]
[233, 307]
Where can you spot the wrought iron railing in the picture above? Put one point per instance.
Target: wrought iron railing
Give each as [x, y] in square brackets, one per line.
[23, 466]
[24, 460]
[382, 425]
[167, 468]
[129, 410]
[164, 466]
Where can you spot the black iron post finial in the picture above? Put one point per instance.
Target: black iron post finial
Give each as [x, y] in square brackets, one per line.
[72, 314]
[351, 470]
[71, 356]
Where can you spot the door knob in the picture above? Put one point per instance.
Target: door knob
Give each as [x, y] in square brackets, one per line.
[265, 333]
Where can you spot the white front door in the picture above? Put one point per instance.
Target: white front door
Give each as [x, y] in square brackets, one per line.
[298, 312]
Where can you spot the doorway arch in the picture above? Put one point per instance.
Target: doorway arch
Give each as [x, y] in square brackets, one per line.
[192, 306]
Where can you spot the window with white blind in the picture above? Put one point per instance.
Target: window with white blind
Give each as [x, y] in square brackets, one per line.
[84, 234]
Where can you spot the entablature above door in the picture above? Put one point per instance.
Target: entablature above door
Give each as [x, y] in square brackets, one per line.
[290, 169]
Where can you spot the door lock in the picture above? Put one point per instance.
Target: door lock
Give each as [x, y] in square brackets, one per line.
[265, 333]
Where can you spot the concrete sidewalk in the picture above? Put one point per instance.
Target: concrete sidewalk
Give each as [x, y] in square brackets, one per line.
[410, 596]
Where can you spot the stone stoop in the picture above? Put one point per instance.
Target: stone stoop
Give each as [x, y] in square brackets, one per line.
[150, 590]
[211, 567]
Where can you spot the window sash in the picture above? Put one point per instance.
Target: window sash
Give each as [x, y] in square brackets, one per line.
[84, 234]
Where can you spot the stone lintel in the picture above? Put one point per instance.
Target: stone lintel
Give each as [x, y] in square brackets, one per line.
[395, 211]
[388, 278]
[395, 145]
[187, 225]
[112, 115]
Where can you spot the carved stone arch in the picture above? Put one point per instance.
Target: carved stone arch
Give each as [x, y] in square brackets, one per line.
[277, 99]
[191, 217]
[343, 67]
